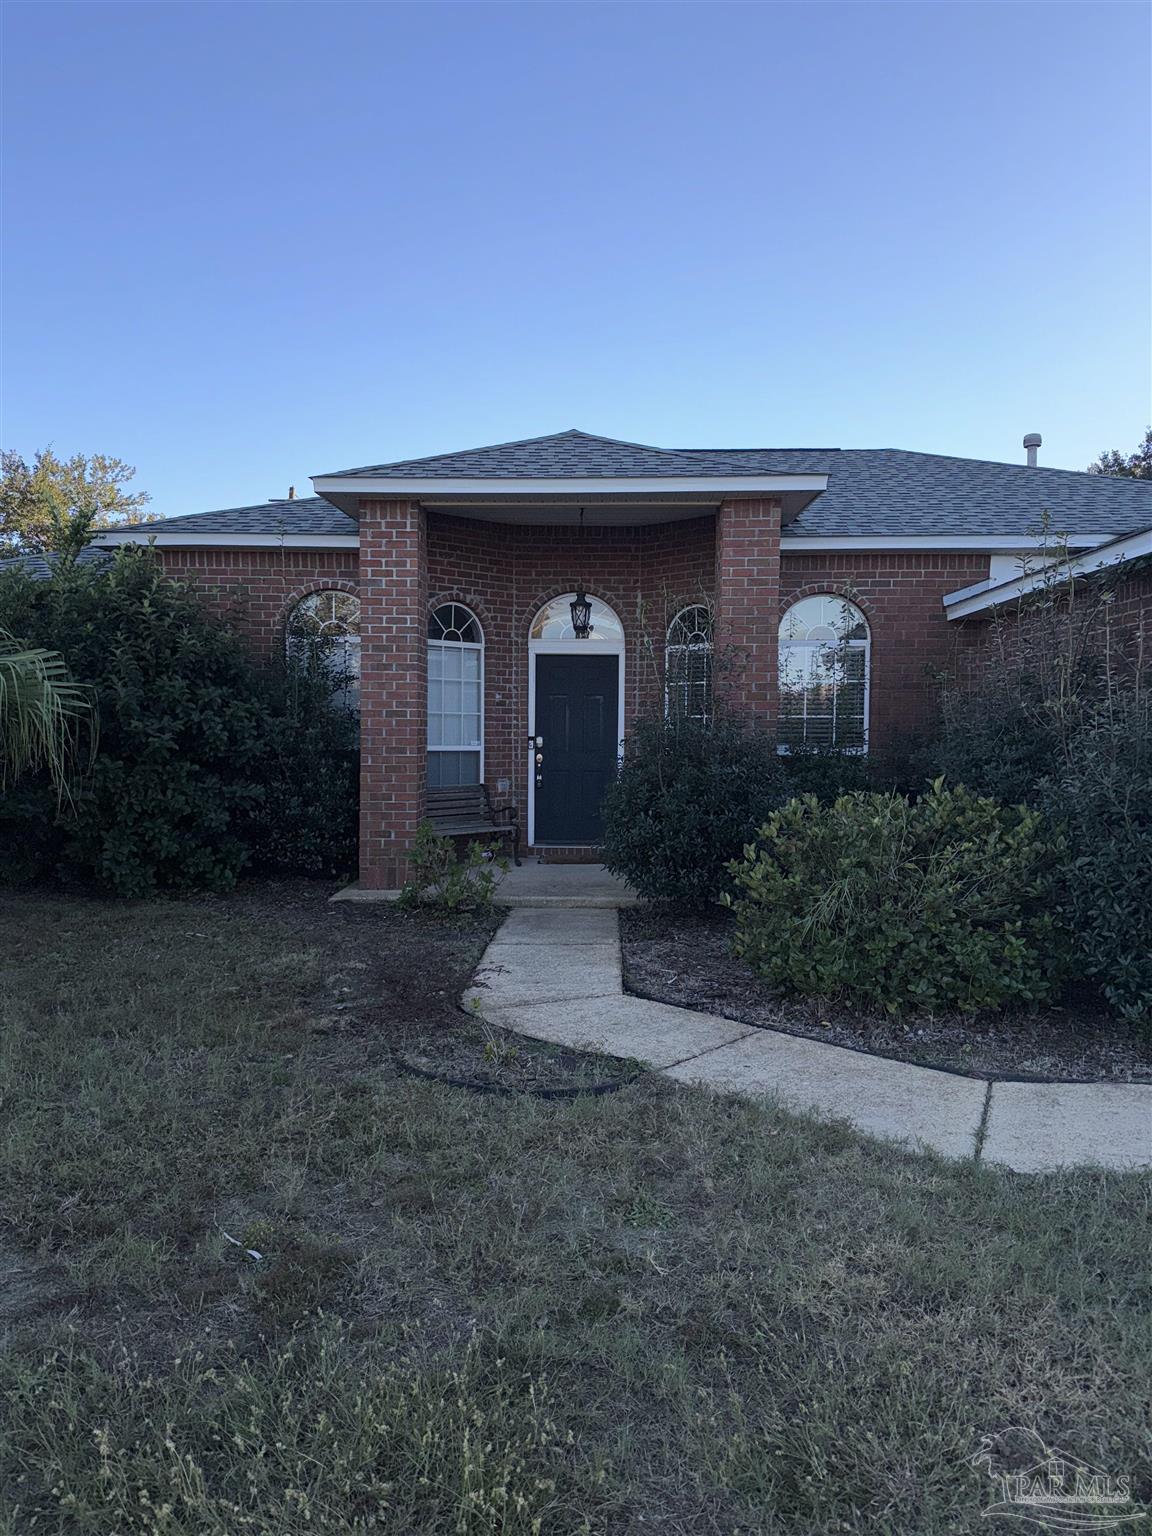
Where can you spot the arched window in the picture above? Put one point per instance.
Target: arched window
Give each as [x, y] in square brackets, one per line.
[688, 665]
[329, 623]
[455, 697]
[554, 622]
[824, 674]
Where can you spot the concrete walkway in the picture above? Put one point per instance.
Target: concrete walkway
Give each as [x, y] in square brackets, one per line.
[554, 974]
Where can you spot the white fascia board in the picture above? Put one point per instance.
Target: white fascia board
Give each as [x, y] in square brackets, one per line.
[910, 541]
[962, 604]
[228, 540]
[425, 487]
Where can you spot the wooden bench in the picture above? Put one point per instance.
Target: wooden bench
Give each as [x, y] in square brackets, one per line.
[466, 812]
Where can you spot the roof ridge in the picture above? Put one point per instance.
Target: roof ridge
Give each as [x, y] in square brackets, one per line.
[790, 449]
[516, 442]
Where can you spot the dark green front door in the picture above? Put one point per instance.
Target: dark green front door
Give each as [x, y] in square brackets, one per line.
[577, 699]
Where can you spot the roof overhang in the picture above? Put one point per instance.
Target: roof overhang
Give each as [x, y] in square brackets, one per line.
[108, 538]
[1108, 553]
[993, 544]
[551, 499]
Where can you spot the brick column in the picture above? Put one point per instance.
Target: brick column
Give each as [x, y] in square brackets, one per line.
[748, 603]
[393, 686]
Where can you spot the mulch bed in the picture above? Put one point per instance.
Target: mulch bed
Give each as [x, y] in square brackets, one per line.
[687, 961]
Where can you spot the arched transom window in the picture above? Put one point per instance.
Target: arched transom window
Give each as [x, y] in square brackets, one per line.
[824, 674]
[688, 665]
[329, 623]
[554, 622]
[455, 697]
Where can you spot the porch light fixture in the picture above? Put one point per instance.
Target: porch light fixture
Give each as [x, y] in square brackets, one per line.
[581, 607]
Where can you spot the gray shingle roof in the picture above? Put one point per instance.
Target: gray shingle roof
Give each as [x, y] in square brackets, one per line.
[563, 454]
[890, 491]
[881, 491]
[303, 514]
[39, 567]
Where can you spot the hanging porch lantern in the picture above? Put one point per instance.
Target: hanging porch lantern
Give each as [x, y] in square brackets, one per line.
[581, 609]
[581, 605]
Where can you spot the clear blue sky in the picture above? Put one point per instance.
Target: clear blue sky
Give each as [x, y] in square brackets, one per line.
[249, 243]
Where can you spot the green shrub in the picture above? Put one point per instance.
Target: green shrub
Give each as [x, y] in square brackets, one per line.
[1101, 794]
[1061, 719]
[439, 879]
[936, 903]
[206, 765]
[690, 794]
[688, 797]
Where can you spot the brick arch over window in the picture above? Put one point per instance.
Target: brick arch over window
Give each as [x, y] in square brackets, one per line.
[468, 600]
[842, 589]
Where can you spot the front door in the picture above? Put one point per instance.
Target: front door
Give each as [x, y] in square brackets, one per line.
[577, 699]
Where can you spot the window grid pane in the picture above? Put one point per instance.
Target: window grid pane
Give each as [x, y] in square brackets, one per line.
[455, 697]
[688, 665]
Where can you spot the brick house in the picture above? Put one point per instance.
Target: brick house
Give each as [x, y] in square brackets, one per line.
[513, 609]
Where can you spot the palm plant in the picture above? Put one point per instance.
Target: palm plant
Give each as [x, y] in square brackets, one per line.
[46, 720]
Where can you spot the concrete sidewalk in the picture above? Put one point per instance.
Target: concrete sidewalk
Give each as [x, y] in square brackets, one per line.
[555, 975]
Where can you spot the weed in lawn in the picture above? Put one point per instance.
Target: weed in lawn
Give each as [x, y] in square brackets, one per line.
[318, 1437]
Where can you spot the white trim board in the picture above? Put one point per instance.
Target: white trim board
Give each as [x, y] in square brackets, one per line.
[424, 487]
[110, 537]
[801, 544]
[808, 544]
[964, 603]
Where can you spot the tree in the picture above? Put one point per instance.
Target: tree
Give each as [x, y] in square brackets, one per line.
[55, 504]
[1136, 466]
[44, 715]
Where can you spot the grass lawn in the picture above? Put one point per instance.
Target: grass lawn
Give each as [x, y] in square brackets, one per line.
[650, 1311]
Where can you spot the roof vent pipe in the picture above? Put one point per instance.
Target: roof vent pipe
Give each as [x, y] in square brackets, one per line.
[1031, 442]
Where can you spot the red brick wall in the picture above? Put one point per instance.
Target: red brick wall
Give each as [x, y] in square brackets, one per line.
[902, 597]
[254, 589]
[506, 572]
[393, 686]
[748, 602]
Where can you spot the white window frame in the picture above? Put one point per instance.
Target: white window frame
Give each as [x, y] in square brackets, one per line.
[614, 647]
[454, 645]
[864, 645]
